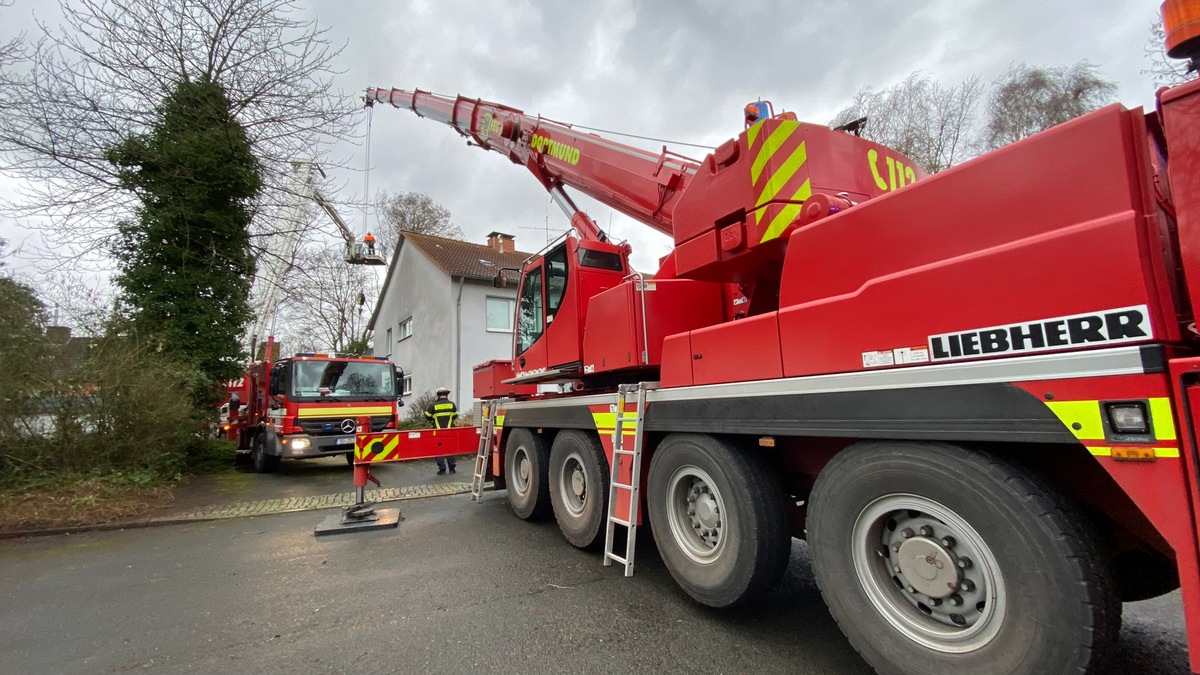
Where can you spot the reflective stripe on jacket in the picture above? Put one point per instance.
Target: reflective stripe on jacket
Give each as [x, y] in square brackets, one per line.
[442, 413]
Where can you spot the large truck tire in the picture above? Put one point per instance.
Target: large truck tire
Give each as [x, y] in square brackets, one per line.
[526, 465]
[719, 518]
[579, 486]
[934, 558]
[263, 462]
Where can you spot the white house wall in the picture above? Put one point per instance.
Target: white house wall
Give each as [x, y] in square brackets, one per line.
[479, 345]
[421, 290]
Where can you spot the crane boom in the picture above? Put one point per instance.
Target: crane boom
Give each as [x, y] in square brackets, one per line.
[641, 184]
[280, 256]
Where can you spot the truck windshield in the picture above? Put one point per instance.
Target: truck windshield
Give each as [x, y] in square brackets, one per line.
[343, 380]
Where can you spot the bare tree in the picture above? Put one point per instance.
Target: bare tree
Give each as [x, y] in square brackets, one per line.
[101, 75]
[1165, 70]
[919, 117]
[412, 212]
[1028, 99]
[328, 302]
[10, 51]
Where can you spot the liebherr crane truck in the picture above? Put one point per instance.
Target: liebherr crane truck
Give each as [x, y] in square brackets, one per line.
[974, 393]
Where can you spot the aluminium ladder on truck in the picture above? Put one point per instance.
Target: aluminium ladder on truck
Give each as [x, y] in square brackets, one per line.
[487, 416]
[632, 489]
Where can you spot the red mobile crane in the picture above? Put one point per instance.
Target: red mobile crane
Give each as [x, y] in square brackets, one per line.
[972, 393]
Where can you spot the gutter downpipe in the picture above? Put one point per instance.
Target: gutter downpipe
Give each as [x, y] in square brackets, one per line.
[458, 338]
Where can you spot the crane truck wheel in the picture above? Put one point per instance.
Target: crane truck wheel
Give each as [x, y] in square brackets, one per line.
[579, 486]
[719, 518]
[526, 464]
[263, 462]
[932, 557]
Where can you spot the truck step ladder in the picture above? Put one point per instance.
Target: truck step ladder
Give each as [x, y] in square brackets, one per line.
[483, 454]
[622, 457]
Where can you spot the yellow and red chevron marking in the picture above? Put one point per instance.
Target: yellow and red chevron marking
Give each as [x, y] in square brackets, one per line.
[375, 447]
[399, 446]
[779, 176]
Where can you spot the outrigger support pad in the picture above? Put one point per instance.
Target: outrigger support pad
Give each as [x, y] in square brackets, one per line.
[359, 518]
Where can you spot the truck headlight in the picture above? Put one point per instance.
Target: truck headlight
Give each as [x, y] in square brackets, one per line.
[1128, 417]
[301, 444]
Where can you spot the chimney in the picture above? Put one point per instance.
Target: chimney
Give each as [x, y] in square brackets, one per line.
[504, 243]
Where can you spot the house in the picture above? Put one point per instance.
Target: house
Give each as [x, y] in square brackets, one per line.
[440, 314]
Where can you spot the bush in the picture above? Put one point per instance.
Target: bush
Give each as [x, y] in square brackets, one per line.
[125, 410]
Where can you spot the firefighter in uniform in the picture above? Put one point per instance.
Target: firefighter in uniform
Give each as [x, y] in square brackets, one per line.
[369, 240]
[442, 413]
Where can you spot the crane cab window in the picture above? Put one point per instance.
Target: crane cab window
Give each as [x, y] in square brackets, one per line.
[530, 319]
[600, 260]
[556, 279]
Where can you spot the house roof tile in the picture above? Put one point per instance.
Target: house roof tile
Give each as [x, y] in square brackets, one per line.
[455, 258]
[464, 259]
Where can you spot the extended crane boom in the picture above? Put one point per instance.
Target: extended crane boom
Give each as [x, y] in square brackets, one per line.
[641, 184]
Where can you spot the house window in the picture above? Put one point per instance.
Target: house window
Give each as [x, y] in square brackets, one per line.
[407, 388]
[405, 329]
[388, 345]
[500, 314]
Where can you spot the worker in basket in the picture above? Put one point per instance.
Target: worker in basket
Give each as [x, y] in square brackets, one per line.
[442, 413]
[369, 240]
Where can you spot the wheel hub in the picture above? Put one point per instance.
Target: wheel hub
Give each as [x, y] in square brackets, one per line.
[695, 511]
[523, 469]
[577, 483]
[929, 567]
[929, 573]
[704, 509]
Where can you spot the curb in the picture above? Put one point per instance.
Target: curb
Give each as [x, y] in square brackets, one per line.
[260, 508]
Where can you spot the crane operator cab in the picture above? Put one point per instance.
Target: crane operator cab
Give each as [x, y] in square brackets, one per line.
[552, 306]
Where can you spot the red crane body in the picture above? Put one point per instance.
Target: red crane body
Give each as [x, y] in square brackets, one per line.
[995, 367]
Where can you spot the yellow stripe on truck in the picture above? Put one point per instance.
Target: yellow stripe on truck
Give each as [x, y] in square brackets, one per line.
[1162, 417]
[608, 422]
[1081, 417]
[345, 412]
[1158, 452]
[1088, 417]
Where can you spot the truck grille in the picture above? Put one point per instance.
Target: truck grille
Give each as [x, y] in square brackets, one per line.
[332, 426]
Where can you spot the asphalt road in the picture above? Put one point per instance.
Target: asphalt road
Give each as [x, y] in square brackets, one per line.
[457, 588]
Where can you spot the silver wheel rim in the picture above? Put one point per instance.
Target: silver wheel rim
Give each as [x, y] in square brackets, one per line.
[696, 513]
[572, 485]
[522, 471]
[928, 573]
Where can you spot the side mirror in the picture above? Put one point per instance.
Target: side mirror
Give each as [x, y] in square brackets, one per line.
[399, 402]
[501, 281]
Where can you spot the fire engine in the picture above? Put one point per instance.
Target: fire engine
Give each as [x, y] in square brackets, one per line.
[307, 405]
[973, 393]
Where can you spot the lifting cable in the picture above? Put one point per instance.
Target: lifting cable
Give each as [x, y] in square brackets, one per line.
[644, 138]
[367, 170]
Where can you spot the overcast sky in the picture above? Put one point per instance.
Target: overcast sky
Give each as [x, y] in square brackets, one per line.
[669, 69]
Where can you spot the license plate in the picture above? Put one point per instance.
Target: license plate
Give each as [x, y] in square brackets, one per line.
[345, 441]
